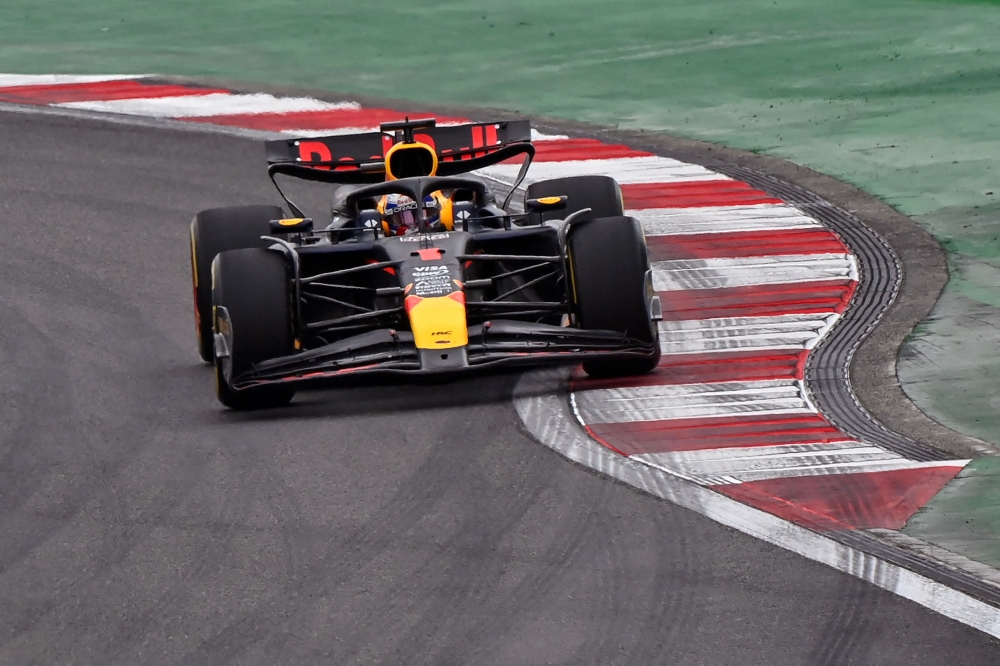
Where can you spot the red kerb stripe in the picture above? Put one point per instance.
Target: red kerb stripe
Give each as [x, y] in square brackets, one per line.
[707, 368]
[690, 194]
[563, 150]
[766, 300]
[100, 91]
[638, 437]
[744, 244]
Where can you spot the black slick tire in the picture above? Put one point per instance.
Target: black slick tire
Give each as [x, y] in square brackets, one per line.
[253, 288]
[599, 193]
[214, 231]
[608, 264]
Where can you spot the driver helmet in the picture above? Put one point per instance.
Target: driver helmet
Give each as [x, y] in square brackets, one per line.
[400, 215]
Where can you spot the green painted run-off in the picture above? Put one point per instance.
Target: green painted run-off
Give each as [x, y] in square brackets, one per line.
[965, 516]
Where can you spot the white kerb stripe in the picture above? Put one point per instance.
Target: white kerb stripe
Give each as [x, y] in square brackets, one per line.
[332, 131]
[338, 131]
[682, 401]
[625, 170]
[856, 467]
[745, 457]
[717, 273]
[12, 80]
[814, 467]
[739, 461]
[213, 104]
[692, 336]
[538, 136]
[721, 219]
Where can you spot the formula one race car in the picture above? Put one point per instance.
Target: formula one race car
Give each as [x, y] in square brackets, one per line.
[420, 272]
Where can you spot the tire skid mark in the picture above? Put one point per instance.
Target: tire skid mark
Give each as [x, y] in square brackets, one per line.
[464, 586]
[848, 633]
[258, 471]
[98, 489]
[672, 618]
[430, 484]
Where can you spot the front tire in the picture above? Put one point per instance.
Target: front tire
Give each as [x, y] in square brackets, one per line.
[608, 271]
[252, 307]
[214, 231]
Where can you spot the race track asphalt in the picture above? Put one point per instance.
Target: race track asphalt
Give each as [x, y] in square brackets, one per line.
[141, 523]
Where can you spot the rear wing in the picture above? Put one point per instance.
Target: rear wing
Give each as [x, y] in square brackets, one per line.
[359, 158]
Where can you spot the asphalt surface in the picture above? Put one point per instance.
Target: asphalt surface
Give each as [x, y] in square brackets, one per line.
[141, 523]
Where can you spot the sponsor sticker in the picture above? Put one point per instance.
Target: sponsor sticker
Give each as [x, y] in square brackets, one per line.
[430, 281]
[422, 237]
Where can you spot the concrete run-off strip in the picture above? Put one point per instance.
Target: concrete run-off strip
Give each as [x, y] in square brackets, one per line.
[745, 426]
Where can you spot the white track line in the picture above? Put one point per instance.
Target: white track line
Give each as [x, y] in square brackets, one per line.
[212, 104]
[683, 274]
[795, 331]
[684, 401]
[722, 219]
[625, 170]
[548, 418]
[17, 80]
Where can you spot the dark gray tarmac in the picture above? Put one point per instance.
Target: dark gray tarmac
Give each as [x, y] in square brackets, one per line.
[142, 524]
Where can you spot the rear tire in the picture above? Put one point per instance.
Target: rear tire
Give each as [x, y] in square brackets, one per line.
[599, 193]
[608, 264]
[214, 231]
[252, 285]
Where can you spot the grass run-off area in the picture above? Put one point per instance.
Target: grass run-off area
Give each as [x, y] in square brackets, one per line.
[900, 97]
